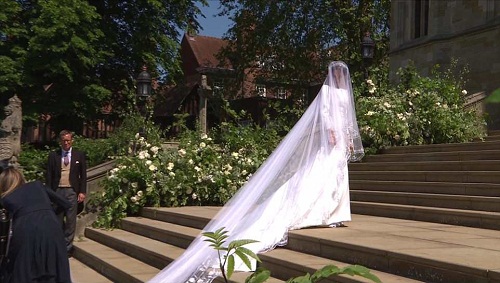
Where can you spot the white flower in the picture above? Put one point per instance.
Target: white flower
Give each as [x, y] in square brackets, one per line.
[137, 136]
[149, 162]
[244, 172]
[152, 167]
[182, 152]
[204, 136]
[372, 90]
[387, 104]
[202, 144]
[170, 166]
[134, 185]
[234, 154]
[411, 104]
[155, 149]
[209, 139]
[198, 169]
[142, 155]
[139, 193]
[133, 199]
[438, 104]
[191, 161]
[194, 196]
[464, 92]
[369, 113]
[171, 174]
[397, 137]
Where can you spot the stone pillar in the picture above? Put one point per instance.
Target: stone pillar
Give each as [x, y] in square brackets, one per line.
[10, 133]
[204, 91]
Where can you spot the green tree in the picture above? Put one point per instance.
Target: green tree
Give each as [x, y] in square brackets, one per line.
[295, 40]
[71, 58]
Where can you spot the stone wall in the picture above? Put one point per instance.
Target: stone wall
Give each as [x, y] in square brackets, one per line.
[465, 30]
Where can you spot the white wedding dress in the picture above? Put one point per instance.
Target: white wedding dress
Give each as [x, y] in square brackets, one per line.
[303, 183]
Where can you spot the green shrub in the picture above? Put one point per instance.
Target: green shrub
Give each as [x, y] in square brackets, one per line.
[420, 110]
[204, 170]
[33, 162]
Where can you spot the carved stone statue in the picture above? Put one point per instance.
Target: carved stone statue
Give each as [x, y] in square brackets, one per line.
[10, 133]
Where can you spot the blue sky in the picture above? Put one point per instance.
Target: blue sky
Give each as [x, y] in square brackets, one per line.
[213, 26]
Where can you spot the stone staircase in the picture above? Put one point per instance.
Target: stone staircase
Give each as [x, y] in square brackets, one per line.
[420, 214]
[456, 184]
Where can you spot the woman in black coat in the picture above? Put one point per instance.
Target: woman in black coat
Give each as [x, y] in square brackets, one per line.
[37, 251]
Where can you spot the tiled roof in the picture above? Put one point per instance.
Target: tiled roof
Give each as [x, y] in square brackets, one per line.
[205, 49]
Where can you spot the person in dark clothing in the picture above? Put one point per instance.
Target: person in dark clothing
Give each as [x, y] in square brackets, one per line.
[67, 176]
[37, 250]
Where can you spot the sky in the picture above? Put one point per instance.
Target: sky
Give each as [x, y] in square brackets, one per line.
[213, 26]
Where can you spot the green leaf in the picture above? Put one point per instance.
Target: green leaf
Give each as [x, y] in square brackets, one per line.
[260, 275]
[239, 243]
[249, 253]
[360, 271]
[494, 97]
[325, 272]
[244, 258]
[230, 266]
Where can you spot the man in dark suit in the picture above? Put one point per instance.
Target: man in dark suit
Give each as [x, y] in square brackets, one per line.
[67, 176]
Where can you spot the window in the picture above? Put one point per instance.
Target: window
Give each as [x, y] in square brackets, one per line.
[281, 93]
[421, 18]
[261, 90]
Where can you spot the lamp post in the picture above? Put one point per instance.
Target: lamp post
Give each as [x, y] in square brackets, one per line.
[367, 50]
[142, 96]
[143, 90]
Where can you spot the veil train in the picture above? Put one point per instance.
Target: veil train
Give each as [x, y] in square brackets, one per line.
[303, 183]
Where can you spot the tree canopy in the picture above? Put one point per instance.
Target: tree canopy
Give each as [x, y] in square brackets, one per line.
[296, 39]
[71, 58]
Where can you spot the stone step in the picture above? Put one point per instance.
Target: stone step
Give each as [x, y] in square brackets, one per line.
[474, 165]
[431, 200]
[434, 156]
[282, 267]
[81, 273]
[429, 252]
[492, 137]
[287, 263]
[459, 217]
[425, 251]
[112, 264]
[471, 189]
[160, 254]
[147, 250]
[429, 176]
[468, 146]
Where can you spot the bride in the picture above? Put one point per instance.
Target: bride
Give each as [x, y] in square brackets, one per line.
[303, 183]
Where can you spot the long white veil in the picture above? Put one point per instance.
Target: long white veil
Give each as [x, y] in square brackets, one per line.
[282, 194]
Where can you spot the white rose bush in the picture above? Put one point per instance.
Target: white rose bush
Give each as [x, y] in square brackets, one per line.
[419, 110]
[202, 170]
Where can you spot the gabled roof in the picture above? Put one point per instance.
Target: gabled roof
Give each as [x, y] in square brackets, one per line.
[171, 100]
[205, 49]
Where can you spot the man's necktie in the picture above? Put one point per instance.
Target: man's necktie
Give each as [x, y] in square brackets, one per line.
[66, 158]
